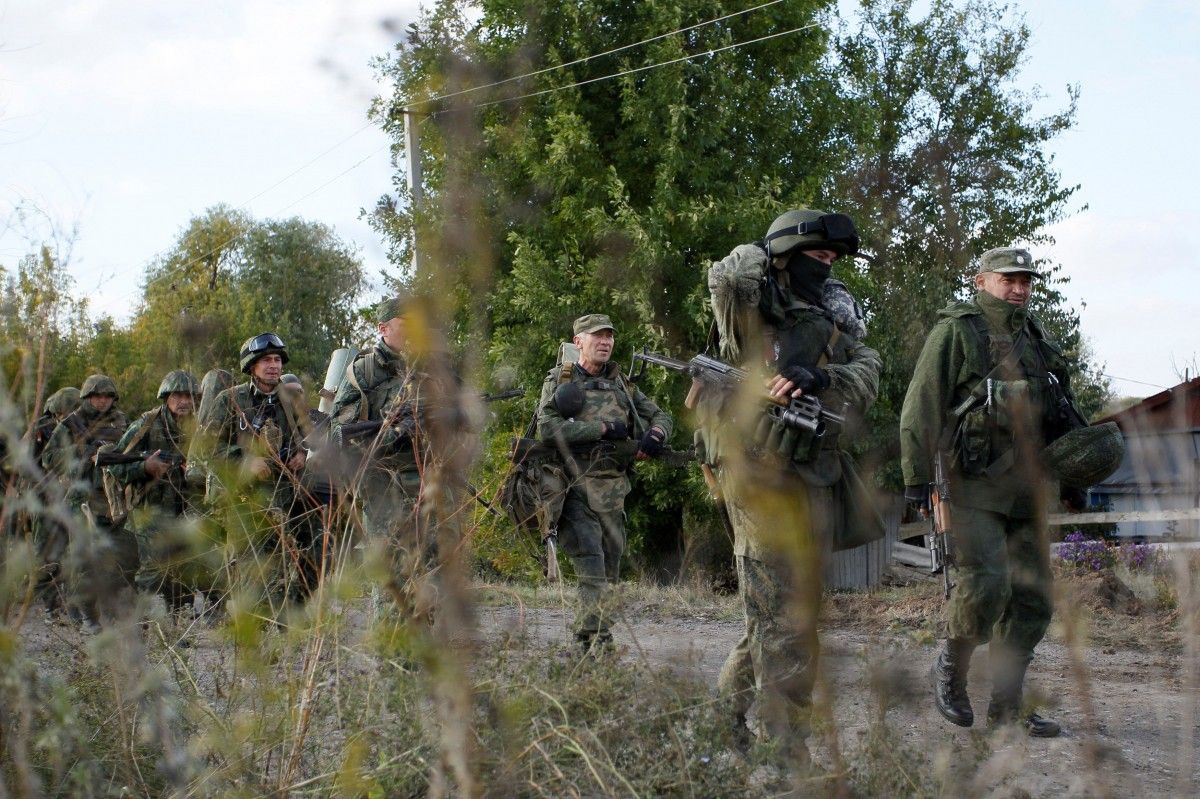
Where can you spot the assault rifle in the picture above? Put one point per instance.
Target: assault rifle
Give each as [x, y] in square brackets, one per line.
[356, 431]
[939, 523]
[173, 459]
[801, 413]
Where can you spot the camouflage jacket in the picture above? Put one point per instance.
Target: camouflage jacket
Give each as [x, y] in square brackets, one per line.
[1010, 426]
[607, 398]
[735, 284]
[156, 430]
[244, 422]
[380, 385]
[70, 453]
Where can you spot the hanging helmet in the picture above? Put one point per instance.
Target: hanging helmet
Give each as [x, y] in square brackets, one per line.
[215, 381]
[261, 345]
[805, 229]
[63, 401]
[98, 385]
[1085, 456]
[178, 381]
[290, 379]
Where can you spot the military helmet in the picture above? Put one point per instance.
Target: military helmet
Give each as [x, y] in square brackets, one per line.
[289, 379]
[215, 381]
[259, 346]
[63, 401]
[98, 384]
[178, 380]
[805, 229]
[1085, 456]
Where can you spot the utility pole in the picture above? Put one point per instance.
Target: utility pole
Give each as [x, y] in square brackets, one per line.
[416, 194]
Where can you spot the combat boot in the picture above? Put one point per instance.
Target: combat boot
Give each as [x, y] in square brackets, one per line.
[1008, 677]
[949, 674]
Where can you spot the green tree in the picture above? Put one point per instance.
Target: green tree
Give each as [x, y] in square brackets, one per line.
[230, 277]
[949, 160]
[611, 196]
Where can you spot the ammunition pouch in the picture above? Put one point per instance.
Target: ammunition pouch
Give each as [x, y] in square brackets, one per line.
[535, 488]
[973, 442]
[774, 436]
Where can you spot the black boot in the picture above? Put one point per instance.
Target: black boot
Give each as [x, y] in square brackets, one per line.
[950, 682]
[1008, 677]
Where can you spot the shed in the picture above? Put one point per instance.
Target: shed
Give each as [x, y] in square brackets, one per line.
[1161, 467]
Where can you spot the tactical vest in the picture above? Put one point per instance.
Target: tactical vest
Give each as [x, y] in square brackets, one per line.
[385, 381]
[268, 419]
[89, 438]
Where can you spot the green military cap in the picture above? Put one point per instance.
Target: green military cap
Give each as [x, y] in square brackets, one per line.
[392, 307]
[593, 322]
[1006, 261]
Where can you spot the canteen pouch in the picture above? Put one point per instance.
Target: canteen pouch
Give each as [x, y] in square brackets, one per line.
[974, 441]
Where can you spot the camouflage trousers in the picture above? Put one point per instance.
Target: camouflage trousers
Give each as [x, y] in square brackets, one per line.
[1002, 580]
[100, 565]
[779, 532]
[179, 554]
[595, 541]
[400, 550]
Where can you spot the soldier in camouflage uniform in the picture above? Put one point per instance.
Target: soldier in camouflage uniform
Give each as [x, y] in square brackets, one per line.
[385, 394]
[50, 537]
[988, 392]
[159, 494]
[256, 429]
[781, 487]
[615, 424]
[102, 557]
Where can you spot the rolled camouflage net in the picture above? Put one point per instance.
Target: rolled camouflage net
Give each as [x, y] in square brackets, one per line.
[1084, 457]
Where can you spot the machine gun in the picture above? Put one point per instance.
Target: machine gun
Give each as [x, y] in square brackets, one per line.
[939, 523]
[109, 458]
[801, 413]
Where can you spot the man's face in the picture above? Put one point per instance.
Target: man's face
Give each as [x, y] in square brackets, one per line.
[268, 369]
[1014, 287]
[824, 256]
[392, 333]
[101, 402]
[595, 348]
[180, 403]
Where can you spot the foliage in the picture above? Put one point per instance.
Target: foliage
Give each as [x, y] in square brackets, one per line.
[949, 161]
[1096, 554]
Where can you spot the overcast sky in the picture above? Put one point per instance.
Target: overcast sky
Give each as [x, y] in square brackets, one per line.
[128, 117]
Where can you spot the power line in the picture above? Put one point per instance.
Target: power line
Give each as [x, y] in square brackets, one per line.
[635, 70]
[585, 59]
[1130, 380]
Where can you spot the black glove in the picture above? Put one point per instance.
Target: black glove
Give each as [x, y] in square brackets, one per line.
[807, 380]
[616, 431]
[917, 496]
[652, 442]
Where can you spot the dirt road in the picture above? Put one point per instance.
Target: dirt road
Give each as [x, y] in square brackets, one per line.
[1138, 698]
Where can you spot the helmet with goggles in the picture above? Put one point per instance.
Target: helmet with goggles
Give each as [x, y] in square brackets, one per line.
[805, 229]
[260, 346]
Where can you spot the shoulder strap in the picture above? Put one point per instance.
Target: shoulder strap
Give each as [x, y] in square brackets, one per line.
[362, 395]
[147, 420]
[827, 354]
[979, 392]
[565, 372]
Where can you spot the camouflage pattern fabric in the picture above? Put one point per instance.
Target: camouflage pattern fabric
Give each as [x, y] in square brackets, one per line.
[1001, 579]
[290, 526]
[735, 286]
[592, 526]
[101, 559]
[174, 563]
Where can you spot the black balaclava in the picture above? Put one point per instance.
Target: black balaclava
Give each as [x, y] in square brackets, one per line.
[807, 276]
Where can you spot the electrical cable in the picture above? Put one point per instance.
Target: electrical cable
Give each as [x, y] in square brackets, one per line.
[585, 59]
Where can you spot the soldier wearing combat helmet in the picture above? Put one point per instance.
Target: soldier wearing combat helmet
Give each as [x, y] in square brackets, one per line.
[989, 392]
[160, 495]
[600, 424]
[780, 484]
[49, 536]
[102, 556]
[257, 429]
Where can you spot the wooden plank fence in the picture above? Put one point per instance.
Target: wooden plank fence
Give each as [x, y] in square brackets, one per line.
[863, 567]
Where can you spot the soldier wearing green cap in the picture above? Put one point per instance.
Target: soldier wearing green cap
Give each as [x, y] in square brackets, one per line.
[600, 431]
[253, 436]
[101, 558]
[989, 392]
[782, 488]
[160, 496]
